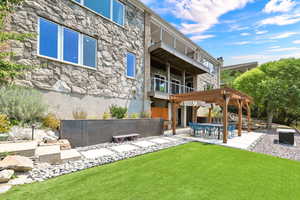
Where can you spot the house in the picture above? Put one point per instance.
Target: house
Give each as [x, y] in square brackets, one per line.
[91, 54]
[230, 72]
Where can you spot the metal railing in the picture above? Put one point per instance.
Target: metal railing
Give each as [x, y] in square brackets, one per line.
[162, 85]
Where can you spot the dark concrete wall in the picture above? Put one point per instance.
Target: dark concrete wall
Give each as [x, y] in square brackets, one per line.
[90, 132]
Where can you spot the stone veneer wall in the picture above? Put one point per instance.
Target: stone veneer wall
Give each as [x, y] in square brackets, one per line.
[69, 86]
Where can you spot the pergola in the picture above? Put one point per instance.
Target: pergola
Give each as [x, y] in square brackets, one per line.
[223, 97]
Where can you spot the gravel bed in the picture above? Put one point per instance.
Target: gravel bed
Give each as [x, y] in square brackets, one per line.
[269, 145]
[44, 171]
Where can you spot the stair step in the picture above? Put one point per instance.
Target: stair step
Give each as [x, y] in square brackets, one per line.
[20, 148]
[50, 154]
[70, 155]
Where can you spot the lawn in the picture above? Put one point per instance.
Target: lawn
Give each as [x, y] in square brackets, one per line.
[193, 171]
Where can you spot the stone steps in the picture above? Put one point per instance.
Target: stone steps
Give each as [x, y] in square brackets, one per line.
[50, 154]
[45, 153]
[70, 155]
[21, 148]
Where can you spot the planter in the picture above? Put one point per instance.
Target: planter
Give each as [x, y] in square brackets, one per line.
[4, 136]
[90, 132]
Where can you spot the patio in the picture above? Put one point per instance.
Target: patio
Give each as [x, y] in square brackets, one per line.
[223, 97]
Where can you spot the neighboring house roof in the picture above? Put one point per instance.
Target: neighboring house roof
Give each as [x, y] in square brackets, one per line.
[240, 67]
[142, 6]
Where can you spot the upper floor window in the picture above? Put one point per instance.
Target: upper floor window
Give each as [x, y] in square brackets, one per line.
[112, 9]
[64, 44]
[131, 65]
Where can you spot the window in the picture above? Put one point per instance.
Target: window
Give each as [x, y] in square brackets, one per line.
[175, 86]
[89, 49]
[64, 44]
[118, 12]
[48, 42]
[131, 62]
[160, 83]
[111, 9]
[71, 45]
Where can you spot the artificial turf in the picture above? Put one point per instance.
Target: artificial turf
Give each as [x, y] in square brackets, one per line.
[193, 171]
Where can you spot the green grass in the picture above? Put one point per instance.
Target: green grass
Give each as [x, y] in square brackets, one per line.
[193, 171]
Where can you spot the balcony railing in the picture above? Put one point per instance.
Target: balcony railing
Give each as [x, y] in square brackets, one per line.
[161, 85]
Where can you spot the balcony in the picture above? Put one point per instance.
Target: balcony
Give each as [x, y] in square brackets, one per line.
[162, 89]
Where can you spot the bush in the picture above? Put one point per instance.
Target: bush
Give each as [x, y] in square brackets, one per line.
[145, 115]
[117, 111]
[79, 114]
[21, 104]
[4, 124]
[134, 116]
[106, 116]
[51, 121]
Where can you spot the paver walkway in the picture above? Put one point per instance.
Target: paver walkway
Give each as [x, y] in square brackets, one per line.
[124, 148]
[97, 153]
[246, 141]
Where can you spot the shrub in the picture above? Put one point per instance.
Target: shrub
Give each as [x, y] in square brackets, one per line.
[79, 113]
[117, 111]
[51, 121]
[21, 104]
[106, 116]
[145, 115]
[4, 124]
[134, 116]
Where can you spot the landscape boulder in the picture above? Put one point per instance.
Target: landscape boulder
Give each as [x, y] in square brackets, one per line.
[16, 163]
[5, 175]
[40, 135]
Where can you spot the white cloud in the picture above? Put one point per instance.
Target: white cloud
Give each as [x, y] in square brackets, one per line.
[241, 43]
[296, 41]
[281, 20]
[198, 38]
[274, 47]
[261, 32]
[245, 34]
[236, 27]
[284, 35]
[201, 15]
[279, 6]
[283, 49]
[261, 58]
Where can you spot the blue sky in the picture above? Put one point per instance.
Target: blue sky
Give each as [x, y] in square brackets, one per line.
[239, 30]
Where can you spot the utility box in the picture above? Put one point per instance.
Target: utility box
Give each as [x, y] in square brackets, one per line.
[286, 136]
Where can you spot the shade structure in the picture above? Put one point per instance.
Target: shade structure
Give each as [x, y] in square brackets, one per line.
[223, 97]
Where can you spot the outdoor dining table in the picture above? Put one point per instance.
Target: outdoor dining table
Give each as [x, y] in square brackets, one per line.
[213, 125]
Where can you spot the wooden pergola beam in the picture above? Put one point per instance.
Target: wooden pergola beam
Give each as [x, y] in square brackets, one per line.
[210, 113]
[240, 117]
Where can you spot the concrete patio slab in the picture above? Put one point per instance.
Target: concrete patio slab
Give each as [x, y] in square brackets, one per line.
[124, 148]
[172, 139]
[20, 148]
[144, 144]
[97, 153]
[159, 141]
[243, 142]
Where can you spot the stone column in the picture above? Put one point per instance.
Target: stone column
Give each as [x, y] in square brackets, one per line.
[169, 77]
[147, 64]
[183, 116]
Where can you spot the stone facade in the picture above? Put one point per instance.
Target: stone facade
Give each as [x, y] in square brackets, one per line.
[108, 80]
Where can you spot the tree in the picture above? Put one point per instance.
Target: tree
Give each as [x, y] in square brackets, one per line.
[8, 69]
[228, 76]
[275, 87]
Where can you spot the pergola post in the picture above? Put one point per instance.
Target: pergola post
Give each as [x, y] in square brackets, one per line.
[195, 110]
[210, 114]
[174, 117]
[249, 116]
[225, 118]
[240, 117]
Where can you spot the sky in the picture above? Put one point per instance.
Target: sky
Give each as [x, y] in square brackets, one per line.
[238, 30]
